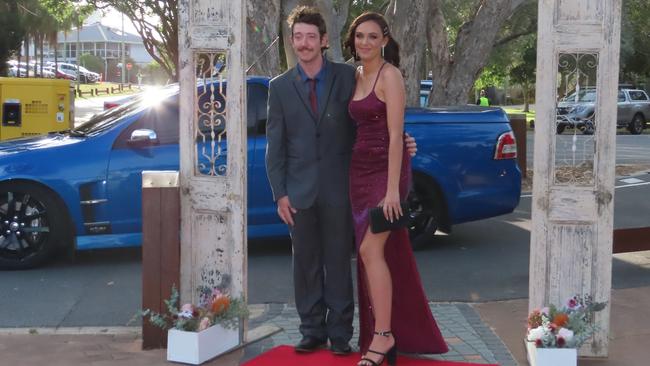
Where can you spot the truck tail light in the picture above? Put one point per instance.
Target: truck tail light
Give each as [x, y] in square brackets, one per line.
[109, 105]
[506, 146]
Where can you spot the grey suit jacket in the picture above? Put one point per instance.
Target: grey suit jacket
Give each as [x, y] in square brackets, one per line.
[308, 158]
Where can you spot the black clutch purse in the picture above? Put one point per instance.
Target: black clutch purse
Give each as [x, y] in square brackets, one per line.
[379, 224]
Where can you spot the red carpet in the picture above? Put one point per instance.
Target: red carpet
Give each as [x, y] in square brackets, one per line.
[286, 356]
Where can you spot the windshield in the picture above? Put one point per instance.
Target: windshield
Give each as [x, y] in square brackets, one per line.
[585, 96]
[108, 118]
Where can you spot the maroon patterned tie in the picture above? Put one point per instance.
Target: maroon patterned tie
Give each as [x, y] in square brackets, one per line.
[313, 98]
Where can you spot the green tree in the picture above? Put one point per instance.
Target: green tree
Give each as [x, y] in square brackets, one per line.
[12, 32]
[92, 62]
[524, 72]
[156, 21]
[635, 40]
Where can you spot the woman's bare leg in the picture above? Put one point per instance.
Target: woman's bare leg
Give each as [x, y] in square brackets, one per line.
[380, 288]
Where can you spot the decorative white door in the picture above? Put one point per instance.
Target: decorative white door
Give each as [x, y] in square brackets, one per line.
[573, 184]
[212, 167]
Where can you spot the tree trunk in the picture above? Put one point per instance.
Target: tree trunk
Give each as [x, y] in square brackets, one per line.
[335, 17]
[26, 57]
[408, 21]
[263, 25]
[42, 46]
[526, 94]
[454, 76]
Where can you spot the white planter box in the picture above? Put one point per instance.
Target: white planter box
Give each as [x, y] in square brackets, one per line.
[551, 356]
[197, 347]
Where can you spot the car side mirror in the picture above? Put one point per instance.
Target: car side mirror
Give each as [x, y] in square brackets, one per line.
[143, 137]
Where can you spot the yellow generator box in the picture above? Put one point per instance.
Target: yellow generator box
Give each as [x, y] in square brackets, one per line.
[31, 106]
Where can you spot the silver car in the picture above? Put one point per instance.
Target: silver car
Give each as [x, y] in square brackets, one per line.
[577, 110]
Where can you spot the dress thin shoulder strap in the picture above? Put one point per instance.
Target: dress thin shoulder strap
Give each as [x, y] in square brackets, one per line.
[377, 77]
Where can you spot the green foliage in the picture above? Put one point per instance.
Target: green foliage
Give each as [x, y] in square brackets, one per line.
[569, 326]
[490, 76]
[635, 40]
[92, 62]
[189, 317]
[524, 72]
[154, 74]
[156, 21]
[12, 32]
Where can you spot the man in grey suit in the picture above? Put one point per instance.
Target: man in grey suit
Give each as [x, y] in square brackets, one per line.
[310, 136]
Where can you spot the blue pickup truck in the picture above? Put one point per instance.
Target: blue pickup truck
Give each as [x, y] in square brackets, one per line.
[82, 188]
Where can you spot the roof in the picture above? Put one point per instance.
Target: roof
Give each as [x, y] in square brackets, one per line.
[97, 32]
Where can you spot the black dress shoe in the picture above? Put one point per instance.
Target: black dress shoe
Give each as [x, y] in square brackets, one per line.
[340, 348]
[309, 344]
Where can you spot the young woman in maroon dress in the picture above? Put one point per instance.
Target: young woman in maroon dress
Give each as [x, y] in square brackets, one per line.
[393, 309]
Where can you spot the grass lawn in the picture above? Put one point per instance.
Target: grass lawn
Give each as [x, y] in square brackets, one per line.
[529, 116]
[102, 87]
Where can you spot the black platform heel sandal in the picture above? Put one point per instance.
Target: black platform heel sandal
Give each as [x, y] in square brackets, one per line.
[390, 356]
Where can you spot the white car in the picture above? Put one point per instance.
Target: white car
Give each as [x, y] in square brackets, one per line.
[85, 75]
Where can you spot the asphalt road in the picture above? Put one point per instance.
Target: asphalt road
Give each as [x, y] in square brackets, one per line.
[480, 261]
[630, 149]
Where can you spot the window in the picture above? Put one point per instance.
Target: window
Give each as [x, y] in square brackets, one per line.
[256, 108]
[621, 97]
[161, 118]
[638, 95]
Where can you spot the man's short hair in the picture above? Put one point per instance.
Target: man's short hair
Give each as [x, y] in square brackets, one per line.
[307, 15]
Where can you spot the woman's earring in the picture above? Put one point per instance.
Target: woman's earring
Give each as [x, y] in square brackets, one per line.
[382, 51]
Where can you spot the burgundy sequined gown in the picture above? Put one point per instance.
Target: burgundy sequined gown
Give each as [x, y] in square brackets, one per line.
[413, 325]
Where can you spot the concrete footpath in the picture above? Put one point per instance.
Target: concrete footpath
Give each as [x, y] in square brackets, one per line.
[481, 333]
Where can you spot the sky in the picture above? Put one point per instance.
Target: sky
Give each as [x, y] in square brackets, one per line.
[112, 18]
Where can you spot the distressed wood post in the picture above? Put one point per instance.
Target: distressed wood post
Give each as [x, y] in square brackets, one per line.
[212, 168]
[160, 248]
[572, 214]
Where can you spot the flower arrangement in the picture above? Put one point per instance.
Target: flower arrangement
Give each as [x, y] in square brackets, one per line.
[215, 307]
[567, 327]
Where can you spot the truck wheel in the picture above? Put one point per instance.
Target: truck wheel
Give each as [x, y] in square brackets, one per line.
[589, 128]
[426, 208]
[31, 224]
[636, 126]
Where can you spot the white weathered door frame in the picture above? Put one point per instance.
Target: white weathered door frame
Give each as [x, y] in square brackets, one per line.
[213, 190]
[572, 216]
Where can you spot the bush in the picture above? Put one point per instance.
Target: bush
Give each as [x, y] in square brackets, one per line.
[92, 62]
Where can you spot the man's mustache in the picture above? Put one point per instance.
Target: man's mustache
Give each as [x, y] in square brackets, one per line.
[300, 49]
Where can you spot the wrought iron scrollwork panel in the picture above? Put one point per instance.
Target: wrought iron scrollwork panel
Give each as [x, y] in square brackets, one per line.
[575, 145]
[210, 117]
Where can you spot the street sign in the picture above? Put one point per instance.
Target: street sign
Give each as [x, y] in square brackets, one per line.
[128, 66]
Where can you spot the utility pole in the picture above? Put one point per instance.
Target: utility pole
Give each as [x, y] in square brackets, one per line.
[77, 49]
[123, 73]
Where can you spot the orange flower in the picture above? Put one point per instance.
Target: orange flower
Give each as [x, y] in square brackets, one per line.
[560, 319]
[220, 303]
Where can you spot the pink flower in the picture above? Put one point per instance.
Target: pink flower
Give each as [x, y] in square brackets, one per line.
[572, 303]
[560, 342]
[538, 343]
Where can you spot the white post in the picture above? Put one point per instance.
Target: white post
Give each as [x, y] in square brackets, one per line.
[123, 55]
[572, 211]
[213, 169]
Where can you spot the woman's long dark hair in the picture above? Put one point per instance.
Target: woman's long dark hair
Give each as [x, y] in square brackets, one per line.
[391, 50]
